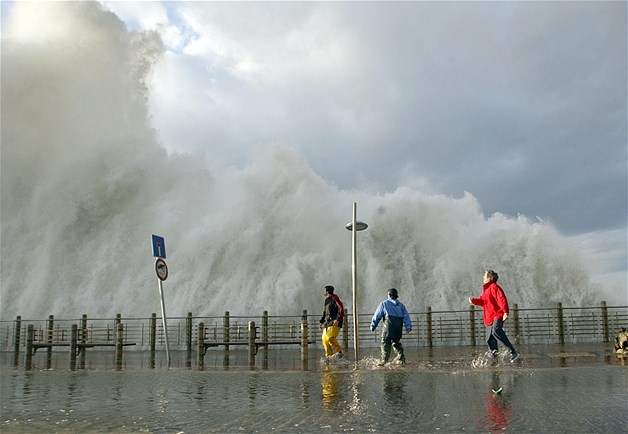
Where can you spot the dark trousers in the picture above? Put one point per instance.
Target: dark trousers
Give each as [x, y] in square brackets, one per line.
[496, 331]
[387, 343]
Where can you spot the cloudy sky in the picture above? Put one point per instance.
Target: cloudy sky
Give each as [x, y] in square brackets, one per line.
[522, 104]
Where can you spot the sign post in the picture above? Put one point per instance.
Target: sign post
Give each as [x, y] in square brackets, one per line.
[161, 268]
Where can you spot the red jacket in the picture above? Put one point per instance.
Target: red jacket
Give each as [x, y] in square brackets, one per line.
[493, 301]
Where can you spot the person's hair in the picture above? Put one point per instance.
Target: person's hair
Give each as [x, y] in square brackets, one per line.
[492, 275]
[329, 289]
[392, 293]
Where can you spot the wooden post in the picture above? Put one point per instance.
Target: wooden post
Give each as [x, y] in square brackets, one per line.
[416, 326]
[605, 322]
[153, 338]
[560, 323]
[515, 317]
[200, 346]
[252, 348]
[16, 340]
[265, 338]
[83, 340]
[73, 346]
[30, 336]
[188, 331]
[429, 326]
[225, 329]
[118, 319]
[472, 324]
[265, 327]
[49, 334]
[304, 342]
[119, 345]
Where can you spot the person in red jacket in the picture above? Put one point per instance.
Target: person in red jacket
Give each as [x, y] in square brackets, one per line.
[495, 305]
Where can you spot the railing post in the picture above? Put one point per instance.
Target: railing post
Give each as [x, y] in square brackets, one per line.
[225, 332]
[252, 348]
[515, 317]
[605, 322]
[49, 334]
[83, 340]
[16, 340]
[188, 338]
[119, 345]
[73, 346]
[30, 336]
[416, 325]
[200, 346]
[429, 326]
[153, 338]
[265, 326]
[561, 325]
[118, 319]
[304, 343]
[472, 323]
[345, 331]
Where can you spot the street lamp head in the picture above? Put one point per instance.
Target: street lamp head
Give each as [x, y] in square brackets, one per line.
[359, 226]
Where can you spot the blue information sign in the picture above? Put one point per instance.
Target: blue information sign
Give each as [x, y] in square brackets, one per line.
[159, 247]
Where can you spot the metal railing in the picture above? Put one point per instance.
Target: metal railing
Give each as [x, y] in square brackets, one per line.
[430, 328]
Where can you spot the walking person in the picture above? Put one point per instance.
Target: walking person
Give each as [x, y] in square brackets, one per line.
[493, 301]
[395, 317]
[331, 323]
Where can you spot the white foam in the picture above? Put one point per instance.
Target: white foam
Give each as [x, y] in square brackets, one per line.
[85, 183]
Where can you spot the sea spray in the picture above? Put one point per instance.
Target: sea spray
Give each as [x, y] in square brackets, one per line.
[85, 182]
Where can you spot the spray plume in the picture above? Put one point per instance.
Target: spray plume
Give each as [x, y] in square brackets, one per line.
[85, 183]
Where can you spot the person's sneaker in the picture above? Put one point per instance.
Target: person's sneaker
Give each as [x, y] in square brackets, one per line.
[494, 359]
[514, 356]
[340, 354]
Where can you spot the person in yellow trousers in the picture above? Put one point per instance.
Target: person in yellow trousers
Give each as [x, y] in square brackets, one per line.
[331, 323]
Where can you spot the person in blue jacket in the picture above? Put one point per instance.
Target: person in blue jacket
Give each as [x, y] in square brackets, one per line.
[395, 317]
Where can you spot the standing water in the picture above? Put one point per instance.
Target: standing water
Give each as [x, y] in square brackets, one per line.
[582, 391]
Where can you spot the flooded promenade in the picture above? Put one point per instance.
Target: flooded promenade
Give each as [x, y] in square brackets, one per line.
[579, 388]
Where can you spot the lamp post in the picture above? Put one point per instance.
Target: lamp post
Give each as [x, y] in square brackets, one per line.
[354, 226]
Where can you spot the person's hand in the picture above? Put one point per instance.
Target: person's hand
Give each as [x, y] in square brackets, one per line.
[372, 329]
[335, 322]
[408, 330]
[505, 317]
[470, 302]
[320, 326]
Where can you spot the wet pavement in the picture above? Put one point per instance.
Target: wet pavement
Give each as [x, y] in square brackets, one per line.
[579, 388]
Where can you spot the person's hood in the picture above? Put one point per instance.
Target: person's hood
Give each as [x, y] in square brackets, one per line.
[393, 301]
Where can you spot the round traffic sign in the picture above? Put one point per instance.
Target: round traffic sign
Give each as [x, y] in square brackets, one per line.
[161, 268]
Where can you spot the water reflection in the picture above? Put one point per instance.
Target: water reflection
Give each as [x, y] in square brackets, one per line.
[252, 387]
[498, 405]
[330, 388]
[305, 394]
[394, 385]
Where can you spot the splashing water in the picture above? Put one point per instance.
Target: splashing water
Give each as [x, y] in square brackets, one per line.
[85, 183]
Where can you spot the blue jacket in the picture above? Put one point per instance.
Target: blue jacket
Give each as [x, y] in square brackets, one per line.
[395, 315]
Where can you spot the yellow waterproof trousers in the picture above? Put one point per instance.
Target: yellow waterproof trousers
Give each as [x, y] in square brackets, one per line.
[330, 340]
